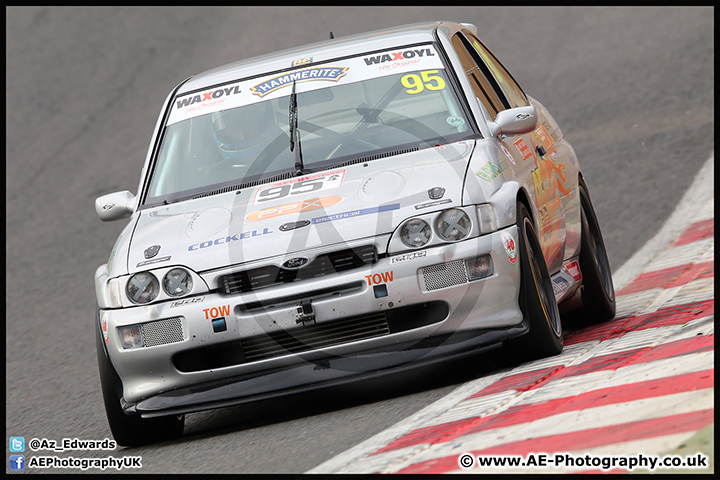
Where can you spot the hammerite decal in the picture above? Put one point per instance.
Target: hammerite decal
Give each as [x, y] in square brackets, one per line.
[312, 73]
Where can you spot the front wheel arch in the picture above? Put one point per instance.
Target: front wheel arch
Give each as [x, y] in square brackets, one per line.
[129, 430]
[536, 298]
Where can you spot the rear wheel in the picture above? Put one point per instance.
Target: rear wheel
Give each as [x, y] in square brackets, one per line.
[537, 299]
[130, 430]
[598, 294]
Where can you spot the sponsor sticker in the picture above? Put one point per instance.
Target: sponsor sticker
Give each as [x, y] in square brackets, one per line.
[510, 246]
[216, 312]
[560, 286]
[229, 238]
[407, 257]
[378, 278]
[154, 260]
[401, 59]
[433, 204]
[573, 268]
[523, 148]
[297, 207]
[489, 172]
[541, 136]
[328, 73]
[355, 213]
[301, 61]
[455, 121]
[207, 101]
[507, 154]
[104, 323]
[187, 301]
[312, 77]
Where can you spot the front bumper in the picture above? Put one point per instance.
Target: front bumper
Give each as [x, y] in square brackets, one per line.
[390, 315]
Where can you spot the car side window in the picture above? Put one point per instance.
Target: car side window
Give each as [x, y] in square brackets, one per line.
[482, 88]
[512, 90]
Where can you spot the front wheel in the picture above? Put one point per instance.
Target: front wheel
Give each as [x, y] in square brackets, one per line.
[130, 430]
[537, 299]
[598, 294]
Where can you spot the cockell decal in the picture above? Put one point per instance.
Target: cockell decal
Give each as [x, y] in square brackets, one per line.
[229, 238]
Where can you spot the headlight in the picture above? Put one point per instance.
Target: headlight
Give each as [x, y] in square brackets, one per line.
[142, 288]
[177, 282]
[415, 233]
[453, 225]
[435, 228]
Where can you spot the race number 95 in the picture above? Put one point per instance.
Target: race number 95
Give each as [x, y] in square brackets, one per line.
[427, 79]
[313, 183]
[293, 189]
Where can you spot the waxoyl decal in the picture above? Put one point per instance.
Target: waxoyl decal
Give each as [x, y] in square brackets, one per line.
[204, 96]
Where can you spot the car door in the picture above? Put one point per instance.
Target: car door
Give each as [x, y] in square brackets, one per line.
[535, 158]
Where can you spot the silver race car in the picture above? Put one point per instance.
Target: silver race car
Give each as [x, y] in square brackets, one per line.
[342, 210]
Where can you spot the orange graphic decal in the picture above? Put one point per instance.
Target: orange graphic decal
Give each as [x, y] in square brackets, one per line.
[297, 207]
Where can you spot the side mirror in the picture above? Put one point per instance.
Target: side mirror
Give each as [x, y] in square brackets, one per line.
[115, 206]
[514, 121]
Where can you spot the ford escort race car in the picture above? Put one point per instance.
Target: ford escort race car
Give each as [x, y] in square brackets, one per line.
[328, 213]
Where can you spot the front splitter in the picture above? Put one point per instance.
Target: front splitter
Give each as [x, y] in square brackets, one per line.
[322, 372]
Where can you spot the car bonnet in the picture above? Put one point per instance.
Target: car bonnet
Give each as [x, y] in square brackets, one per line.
[330, 207]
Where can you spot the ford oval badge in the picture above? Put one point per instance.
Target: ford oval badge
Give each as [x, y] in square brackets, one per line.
[295, 263]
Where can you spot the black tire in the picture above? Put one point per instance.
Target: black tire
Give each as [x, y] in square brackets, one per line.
[598, 294]
[130, 430]
[537, 299]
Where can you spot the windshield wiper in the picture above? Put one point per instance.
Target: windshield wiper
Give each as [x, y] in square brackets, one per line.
[293, 112]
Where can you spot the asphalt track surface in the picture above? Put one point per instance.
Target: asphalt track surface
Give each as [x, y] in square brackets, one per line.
[632, 89]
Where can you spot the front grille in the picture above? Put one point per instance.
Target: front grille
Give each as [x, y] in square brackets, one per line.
[444, 275]
[311, 337]
[162, 332]
[325, 264]
[315, 336]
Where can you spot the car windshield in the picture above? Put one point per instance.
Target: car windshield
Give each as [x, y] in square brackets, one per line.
[353, 108]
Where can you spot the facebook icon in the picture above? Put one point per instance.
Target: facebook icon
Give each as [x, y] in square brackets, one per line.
[17, 462]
